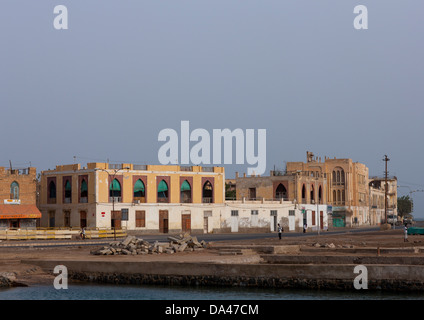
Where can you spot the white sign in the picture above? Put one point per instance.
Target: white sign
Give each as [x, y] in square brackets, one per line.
[12, 201]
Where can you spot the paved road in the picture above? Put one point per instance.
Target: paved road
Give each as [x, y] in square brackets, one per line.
[164, 237]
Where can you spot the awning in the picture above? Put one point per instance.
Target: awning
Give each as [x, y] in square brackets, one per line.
[19, 211]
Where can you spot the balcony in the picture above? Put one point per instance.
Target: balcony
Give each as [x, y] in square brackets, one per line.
[115, 199]
[83, 200]
[67, 200]
[207, 199]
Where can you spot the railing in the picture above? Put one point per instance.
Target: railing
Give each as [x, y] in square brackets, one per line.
[115, 199]
[83, 200]
[186, 168]
[115, 166]
[140, 167]
[207, 169]
[163, 200]
[207, 199]
[59, 233]
[67, 200]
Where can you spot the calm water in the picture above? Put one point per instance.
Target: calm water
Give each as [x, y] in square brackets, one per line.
[128, 292]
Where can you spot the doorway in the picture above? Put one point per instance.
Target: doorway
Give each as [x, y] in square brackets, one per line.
[186, 222]
[163, 221]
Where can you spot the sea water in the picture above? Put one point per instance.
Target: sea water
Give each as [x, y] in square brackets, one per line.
[152, 292]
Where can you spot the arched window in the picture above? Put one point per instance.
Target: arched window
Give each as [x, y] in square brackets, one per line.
[14, 190]
[185, 194]
[303, 194]
[139, 191]
[343, 196]
[334, 196]
[68, 192]
[207, 192]
[281, 192]
[342, 176]
[320, 195]
[334, 177]
[52, 190]
[115, 190]
[312, 193]
[338, 196]
[338, 176]
[163, 192]
[84, 189]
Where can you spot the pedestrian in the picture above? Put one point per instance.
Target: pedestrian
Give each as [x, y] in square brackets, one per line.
[82, 233]
[280, 230]
[304, 228]
[405, 239]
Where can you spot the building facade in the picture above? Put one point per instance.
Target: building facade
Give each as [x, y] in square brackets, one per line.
[347, 186]
[150, 198]
[18, 196]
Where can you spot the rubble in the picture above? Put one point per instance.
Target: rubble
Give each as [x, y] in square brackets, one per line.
[132, 245]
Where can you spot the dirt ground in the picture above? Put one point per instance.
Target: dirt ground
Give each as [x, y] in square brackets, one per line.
[28, 274]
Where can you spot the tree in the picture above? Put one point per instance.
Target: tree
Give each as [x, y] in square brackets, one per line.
[405, 205]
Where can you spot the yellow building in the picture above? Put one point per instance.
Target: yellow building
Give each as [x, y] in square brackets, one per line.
[347, 187]
[151, 198]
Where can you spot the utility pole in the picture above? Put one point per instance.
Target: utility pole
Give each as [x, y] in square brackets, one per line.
[386, 159]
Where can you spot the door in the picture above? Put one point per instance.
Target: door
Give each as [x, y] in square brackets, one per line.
[321, 220]
[291, 221]
[163, 221]
[205, 225]
[83, 219]
[186, 222]
[116, 219]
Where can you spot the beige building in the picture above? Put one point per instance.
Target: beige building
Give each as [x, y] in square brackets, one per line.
[150, 198]
[377, 189]
[347, 187]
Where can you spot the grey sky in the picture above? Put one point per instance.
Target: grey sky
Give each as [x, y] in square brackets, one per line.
[127, 69]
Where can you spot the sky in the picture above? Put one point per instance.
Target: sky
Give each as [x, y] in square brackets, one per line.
[104, 88]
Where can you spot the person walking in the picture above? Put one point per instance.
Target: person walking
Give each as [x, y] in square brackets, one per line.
[304, 228]
[280, 230]
[405, 238]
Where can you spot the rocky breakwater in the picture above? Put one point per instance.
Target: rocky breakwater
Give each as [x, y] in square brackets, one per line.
[132, 245]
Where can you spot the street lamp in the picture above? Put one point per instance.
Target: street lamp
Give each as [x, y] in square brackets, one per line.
[112, 178]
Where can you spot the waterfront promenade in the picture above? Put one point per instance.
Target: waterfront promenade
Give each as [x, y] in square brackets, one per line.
[312, 261]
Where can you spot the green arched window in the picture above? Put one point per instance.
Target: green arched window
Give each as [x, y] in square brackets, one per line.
[68, 190]
[139, 191]
[115, 189]
[162, 192]
[185, 192]
[84, 189]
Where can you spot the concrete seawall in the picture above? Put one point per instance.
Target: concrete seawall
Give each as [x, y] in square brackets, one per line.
[310, 276]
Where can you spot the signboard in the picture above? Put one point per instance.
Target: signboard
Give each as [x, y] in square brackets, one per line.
[12, 201]
[103, 214]
[329, 209]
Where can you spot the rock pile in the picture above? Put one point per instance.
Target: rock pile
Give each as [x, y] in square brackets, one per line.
[134, 246]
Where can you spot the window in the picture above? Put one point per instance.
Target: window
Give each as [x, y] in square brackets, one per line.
[68, 192]
[163, 191]
[254, 212]
[84, 192]
[207, 192]
[273, 212]
[234, 213]
[52, 193]
[14, 191]
[115, 190]
[185, 194]
[139, 191]
[281, 192]
[291, 212]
